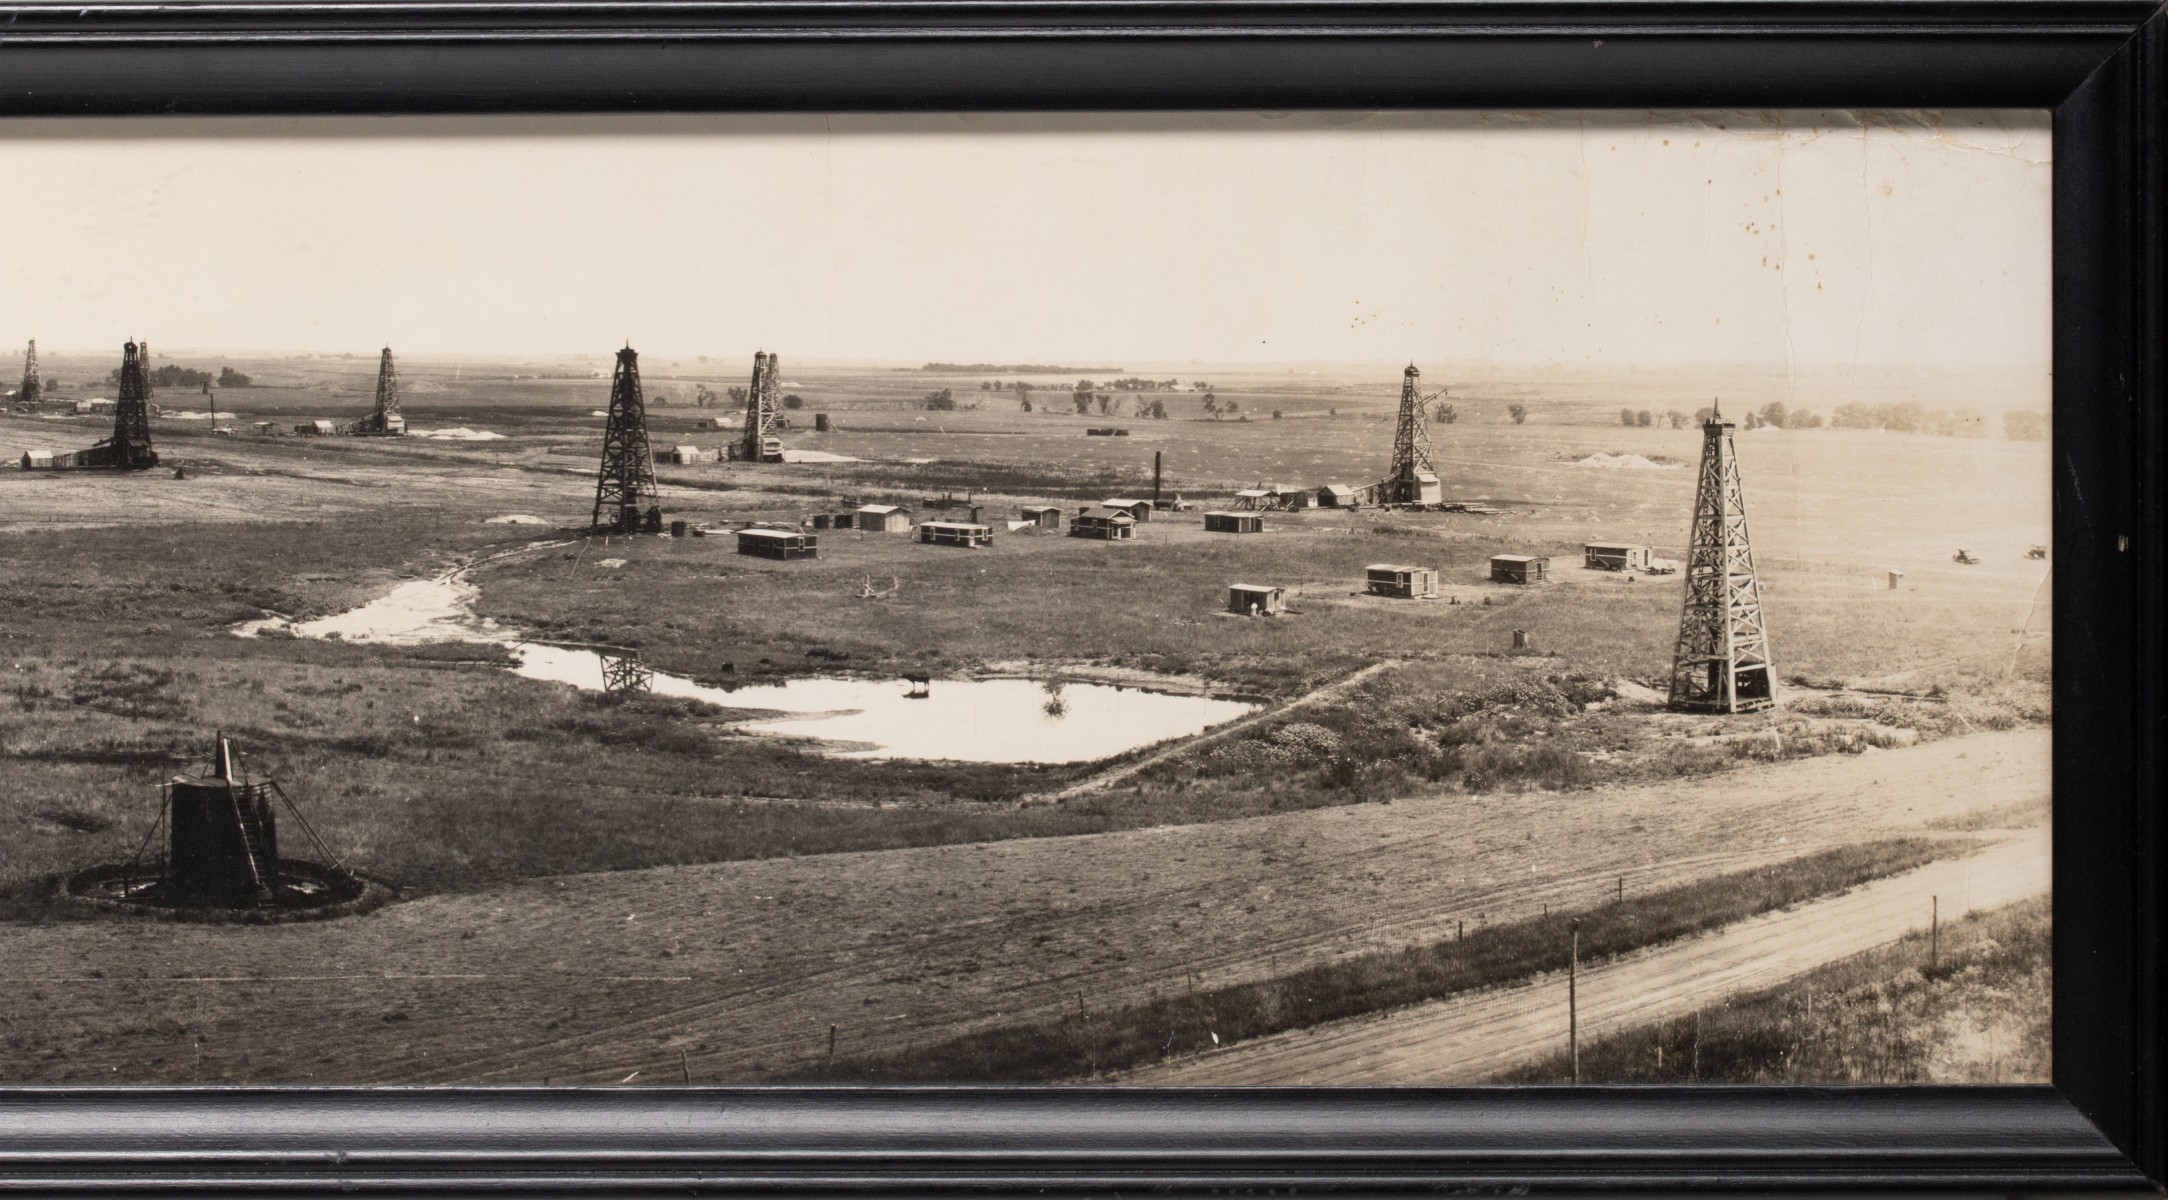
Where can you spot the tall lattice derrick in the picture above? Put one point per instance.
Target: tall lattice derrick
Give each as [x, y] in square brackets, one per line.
[625, 497]
[32, 385]
[1412, 478]
[143, 355]
[130, 446]
[763, 412]
[385, 417]
[1721, 663]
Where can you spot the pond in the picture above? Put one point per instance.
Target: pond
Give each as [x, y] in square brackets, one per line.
[956, 720]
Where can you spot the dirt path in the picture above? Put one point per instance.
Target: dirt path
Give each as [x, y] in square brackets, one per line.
[736, 970]
[1330, 691]
[1471, 1038]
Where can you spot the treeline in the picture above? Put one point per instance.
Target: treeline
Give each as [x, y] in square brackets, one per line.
[172, 376]
[1902, 417]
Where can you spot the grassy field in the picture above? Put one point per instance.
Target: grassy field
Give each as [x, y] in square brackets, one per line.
[437, 769]
[1088, 1043]
[1973, 1011]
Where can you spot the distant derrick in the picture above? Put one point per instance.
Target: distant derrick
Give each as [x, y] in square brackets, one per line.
[763, 413]
[625, 496]
[385, 419]
[143, 356]
[1721, 663]
[32, 385]
[1412, 479]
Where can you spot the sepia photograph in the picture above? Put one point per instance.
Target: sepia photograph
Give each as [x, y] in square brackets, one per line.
[1186, 599]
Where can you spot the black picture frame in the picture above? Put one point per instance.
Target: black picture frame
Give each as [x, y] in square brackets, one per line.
[2097, 63]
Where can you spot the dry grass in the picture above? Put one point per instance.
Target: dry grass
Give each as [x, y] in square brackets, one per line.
[1978, 1014]
[1201, 1020]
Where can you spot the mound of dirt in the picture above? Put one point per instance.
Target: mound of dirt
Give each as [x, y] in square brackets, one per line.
[1623, 462]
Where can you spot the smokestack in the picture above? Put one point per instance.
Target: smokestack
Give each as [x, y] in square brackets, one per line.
[1155, 478]
[222, 762]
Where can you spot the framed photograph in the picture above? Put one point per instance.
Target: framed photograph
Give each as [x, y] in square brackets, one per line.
[1080, 597]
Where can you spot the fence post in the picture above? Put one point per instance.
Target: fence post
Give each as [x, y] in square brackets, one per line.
[1573, 1000]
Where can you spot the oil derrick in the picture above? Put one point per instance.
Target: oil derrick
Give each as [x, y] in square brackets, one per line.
[129, 449]
[385, 420]
[763, 413]
[32, 385]
[1722, 661]
[1413, 479]
[143, 355]
[625, 498]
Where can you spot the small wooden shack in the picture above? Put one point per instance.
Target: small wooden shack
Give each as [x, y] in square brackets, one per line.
[1044, 516]
[1113, 527]
[1234, 522]
[1616, 556]
[1519, 568]
[1256, 599]
[1427, 489]
[956, 533]
[685, 456]
[318, 428]
[1336, 495]
[784, 544]
[1138, 510]
[882, 518]
[1403, 583]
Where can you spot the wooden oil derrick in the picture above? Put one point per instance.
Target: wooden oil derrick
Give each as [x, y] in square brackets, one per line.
[1413, 479]
[385, 419]
[143, 355]
[32, 385]
[625, 497]
[129, 449]
[1722, 662]
[763, 413]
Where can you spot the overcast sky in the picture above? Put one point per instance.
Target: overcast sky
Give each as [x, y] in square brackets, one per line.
[1090, 240]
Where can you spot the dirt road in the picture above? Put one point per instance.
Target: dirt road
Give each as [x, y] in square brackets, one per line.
[1469, 1039]
[736, 970]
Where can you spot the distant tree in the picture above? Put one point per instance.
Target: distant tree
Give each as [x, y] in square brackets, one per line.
[1625, 416]
[1704, 415]
[1023, 393]
[1903, 417]
[230, 378]
[1083, 403]
[1158, 410]
[1211, 404]
[1852, 416]
[1644, 418]
[1753, 421]
[702, 396]
[1027, 406]
[736, 394]
[941, 401]
[1774, 413]
[1519, 413]
[1803, 418]
[1275, 414]
[1674, 418]
[986, 385]
[2025, 425]
[794, 401]
[1443, 408]
[1233, 406]
[1441, 412]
